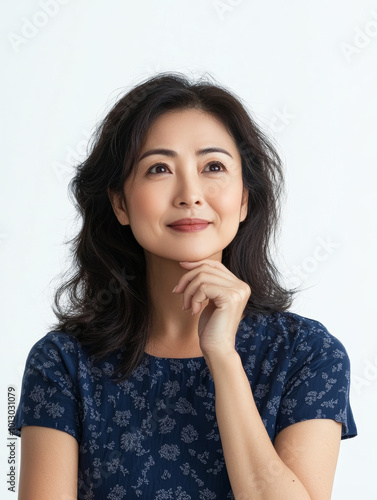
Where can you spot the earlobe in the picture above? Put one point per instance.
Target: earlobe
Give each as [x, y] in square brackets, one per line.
[119, 207]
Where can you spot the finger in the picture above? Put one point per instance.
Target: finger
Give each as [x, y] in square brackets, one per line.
[198, 284]
[190, 275]
[209, 291]
[210, 262]
[199, 297]
[192, 280]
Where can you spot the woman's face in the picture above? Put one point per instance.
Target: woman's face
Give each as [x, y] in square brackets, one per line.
[183, 182]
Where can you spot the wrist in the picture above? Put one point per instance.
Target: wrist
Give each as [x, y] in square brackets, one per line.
[219, 362]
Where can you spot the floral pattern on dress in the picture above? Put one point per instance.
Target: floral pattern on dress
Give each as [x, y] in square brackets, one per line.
[155, 435]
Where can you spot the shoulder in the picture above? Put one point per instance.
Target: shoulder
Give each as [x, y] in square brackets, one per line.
[50, 395]
[56, 356]
[53, 347]
[311, 336]
[299, 336]
[58, 339]
[61, 354]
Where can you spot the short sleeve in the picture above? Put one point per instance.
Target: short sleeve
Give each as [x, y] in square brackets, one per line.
[318, 380]
[49, 396]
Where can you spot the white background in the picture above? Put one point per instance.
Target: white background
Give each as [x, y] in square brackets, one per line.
[307, 72]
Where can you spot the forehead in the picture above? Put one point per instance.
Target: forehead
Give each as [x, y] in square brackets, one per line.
[190, 125]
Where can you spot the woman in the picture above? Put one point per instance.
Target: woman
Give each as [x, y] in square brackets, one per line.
[175, 370]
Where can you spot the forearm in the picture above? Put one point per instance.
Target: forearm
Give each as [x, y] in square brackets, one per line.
[254, 468]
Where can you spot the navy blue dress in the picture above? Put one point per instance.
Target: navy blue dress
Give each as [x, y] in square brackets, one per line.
[156, 434]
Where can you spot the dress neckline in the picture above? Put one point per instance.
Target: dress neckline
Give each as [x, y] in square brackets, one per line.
[194, 358]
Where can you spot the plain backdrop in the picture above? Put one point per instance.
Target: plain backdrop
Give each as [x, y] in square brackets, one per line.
[306, 71]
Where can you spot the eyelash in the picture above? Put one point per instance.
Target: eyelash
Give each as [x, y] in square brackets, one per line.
[164, 165]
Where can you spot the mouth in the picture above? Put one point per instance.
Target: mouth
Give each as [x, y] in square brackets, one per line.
[190, 228]
[188, 221]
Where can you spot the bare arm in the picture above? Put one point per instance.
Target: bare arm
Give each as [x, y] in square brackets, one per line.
[49, 464]
[301, 463]
[310, 449]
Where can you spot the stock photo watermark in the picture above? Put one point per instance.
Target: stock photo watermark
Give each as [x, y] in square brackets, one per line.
[280, 120]
[73, 155]
[11, 441]
[31, 26]
[77, 153]
[297, 274]
[368, 377]
[362, 38]
[224, 7]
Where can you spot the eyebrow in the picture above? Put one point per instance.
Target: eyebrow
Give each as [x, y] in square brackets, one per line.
[173, 154]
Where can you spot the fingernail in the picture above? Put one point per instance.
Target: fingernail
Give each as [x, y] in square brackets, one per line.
[174, 289]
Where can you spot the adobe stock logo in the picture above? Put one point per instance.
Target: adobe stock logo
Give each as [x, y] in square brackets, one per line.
[280, 120]
[361, 39]
[368, 377]
[225, 6]
[31, 27]
[73, 156]
[297, 274]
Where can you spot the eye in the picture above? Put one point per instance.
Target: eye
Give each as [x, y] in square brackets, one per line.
[219, 168]
[155, 166]
[218, 164]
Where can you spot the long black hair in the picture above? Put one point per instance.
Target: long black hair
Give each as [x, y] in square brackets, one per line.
[108, 306]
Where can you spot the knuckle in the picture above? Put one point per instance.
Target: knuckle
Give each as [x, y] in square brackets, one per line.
[235, 295]
[202, 275]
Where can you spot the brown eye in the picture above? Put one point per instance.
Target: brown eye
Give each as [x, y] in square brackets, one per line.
[157, 165]
[216, 165]
[219, 167]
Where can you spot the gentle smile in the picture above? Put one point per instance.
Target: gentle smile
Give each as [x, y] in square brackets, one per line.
[188, 220]
[189, 227]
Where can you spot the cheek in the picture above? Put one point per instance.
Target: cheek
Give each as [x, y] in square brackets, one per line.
[229, 203]
[143, 206]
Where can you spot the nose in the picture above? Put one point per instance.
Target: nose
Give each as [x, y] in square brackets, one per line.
[188, 191]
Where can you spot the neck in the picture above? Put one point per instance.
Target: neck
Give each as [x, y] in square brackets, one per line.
[171, 327]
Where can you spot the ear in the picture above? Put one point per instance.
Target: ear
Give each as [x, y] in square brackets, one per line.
[244, 204]
[119, 207]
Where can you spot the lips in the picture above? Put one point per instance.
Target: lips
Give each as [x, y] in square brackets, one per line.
[189, 222]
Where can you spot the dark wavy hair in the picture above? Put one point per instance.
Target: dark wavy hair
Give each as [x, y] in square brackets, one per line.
[108, 307]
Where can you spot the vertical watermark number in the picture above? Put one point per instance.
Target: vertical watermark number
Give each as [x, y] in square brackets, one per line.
[11, 441]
